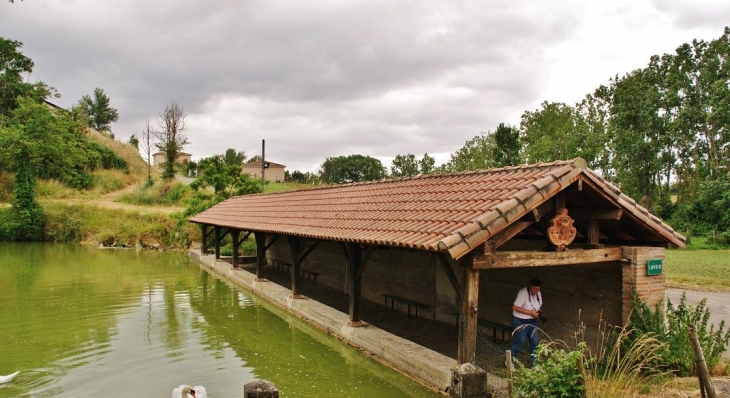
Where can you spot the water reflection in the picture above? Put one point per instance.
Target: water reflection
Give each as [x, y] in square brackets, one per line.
[84, 322]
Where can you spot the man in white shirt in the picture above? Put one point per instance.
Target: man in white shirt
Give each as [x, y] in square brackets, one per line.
[525, 312]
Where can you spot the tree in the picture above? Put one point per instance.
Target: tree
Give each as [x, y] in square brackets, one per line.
[146, 144]
[408, 165]
[233, 158]
[352, 168]
[171, 140]
[99, 114]
[13, 65]
[404, 166]
[134, 141]
[427, 164]
[35, 142]
[636, 131]
[476, 153]
[224, 174]
[551, 133]
[506, 151]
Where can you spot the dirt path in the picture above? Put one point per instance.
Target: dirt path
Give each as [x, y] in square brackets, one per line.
[108, 201]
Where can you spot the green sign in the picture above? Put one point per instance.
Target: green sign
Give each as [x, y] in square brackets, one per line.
[654, 266]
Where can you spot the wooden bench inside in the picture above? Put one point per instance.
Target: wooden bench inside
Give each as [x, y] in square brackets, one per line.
[309, 274]
[393, 298]
[485, 323]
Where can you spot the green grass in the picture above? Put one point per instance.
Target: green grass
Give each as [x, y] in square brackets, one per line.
[105, 181]
[93, 225]
[160, 193]
[699, 269]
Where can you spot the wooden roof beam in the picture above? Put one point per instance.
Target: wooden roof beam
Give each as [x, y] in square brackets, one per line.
[596, 214]
[520, 259]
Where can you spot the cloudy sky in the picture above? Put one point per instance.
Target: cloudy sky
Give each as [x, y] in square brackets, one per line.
[317, 79]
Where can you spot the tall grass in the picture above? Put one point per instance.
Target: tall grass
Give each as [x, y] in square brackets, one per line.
[619, 369]
[113, 227]
[137, 165]
[161, 193]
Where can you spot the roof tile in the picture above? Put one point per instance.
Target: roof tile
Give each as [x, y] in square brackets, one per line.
[454, 212]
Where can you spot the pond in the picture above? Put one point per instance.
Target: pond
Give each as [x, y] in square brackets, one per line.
[79, 321]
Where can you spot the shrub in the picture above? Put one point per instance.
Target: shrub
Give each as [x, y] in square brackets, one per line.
[174, 193]
[556, 374]
[25, 220]
[672, 329]
[249, 246]
[106, 157]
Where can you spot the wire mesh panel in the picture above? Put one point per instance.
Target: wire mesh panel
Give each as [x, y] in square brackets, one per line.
[490, 355]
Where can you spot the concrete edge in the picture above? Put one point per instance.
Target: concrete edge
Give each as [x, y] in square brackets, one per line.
[423, 365]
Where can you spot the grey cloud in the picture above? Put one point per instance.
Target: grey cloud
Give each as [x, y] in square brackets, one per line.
[315, 78]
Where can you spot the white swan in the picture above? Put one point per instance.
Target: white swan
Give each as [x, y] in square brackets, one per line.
[186, 391]
[5, 379]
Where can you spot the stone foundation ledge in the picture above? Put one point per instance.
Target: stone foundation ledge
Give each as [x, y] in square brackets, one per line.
[426, 366]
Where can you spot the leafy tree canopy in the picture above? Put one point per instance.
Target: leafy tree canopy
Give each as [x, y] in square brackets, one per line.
[99, 114]
[13, 66]
[52, 145]
[506, 151]
[408, 165]
[476, 153]
[352, 168]
[404, 166]
[223, 174]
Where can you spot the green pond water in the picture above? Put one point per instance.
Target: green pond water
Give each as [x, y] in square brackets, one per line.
[84, 322]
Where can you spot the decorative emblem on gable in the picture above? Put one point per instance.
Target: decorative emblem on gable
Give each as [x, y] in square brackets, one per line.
[561, 232]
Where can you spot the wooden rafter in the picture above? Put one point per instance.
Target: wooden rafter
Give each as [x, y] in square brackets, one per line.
[508, 233]
[309, 250]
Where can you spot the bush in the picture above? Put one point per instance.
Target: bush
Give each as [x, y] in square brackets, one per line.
[25, 220]
[672, 328]
[709, 211]
[106, 157]
[556, 374]
[173, 194]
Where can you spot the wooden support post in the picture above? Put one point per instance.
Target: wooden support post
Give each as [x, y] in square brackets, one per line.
[703, 372]
[217, 242]
[593, 234]
[234, 236]
[355, 281]
[204, 239]
[469, 313]
[260, 253]
[295, 246]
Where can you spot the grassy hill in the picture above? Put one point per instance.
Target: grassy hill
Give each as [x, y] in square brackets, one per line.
[120, 208]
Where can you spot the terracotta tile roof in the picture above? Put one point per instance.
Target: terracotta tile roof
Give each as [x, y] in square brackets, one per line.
[444, 212]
